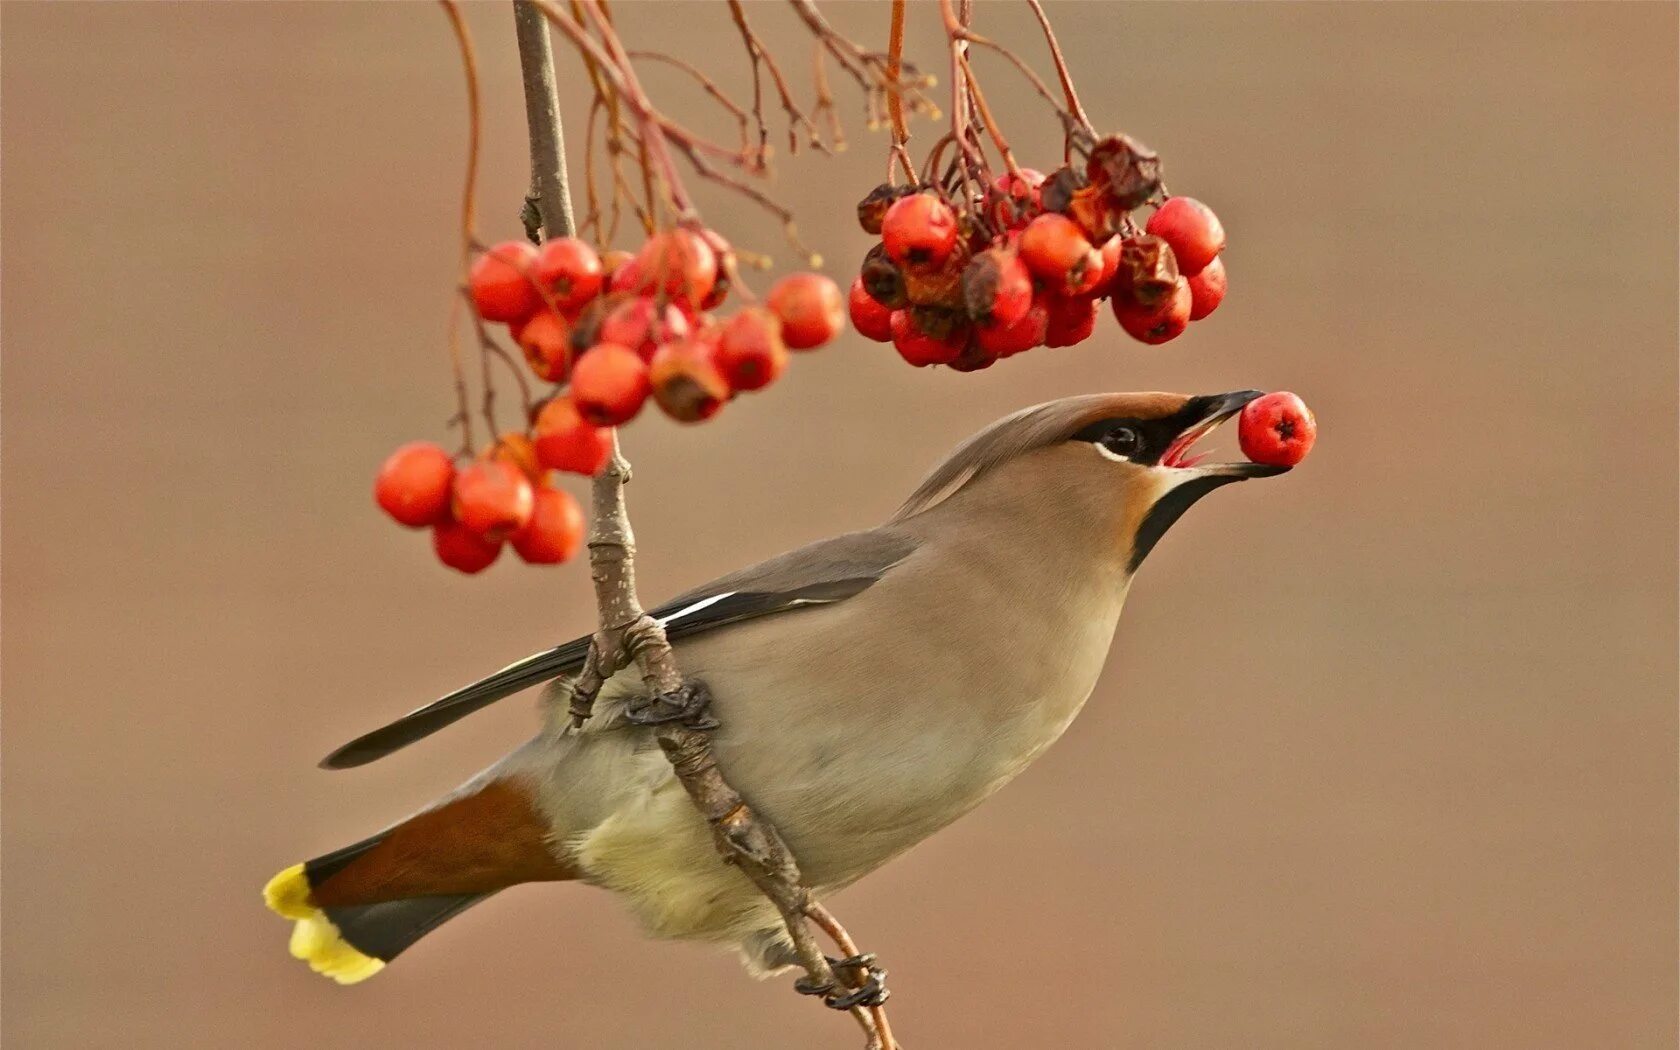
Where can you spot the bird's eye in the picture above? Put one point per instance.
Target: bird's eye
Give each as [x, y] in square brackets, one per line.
[1122, 441]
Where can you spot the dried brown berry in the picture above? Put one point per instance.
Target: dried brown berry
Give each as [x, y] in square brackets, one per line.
[1148, 271]
[873, 208]
[883, 280]
[1127, 171]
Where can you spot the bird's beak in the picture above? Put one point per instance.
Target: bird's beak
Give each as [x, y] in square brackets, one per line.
[1206, 413]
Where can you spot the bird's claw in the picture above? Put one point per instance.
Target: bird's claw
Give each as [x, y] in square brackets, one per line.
[872, 992]
[690, 704]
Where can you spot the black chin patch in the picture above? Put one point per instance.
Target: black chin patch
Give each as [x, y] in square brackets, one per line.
[1168, 509]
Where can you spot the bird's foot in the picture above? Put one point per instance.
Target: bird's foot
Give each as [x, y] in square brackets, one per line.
[866, 983]
[690, 704]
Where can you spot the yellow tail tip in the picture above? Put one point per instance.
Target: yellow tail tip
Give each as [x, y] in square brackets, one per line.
[315, 939]
[287, 894]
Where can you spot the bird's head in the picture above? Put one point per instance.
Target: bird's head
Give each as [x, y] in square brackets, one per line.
[1124, 464]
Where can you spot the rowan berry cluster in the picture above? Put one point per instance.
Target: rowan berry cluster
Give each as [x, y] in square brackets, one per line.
[615, 331]
[965, 280]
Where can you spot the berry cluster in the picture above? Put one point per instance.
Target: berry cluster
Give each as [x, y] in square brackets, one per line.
[616, 330]
[967, 280]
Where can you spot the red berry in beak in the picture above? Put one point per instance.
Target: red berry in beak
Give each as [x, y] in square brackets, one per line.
[555, 532]
[565, 441]
[919, 230]
[500, 283]
[414, 484]
[810, 308]
[492, 498]
[609, 384]
[1192, 229]
[1207, 290]
[568, 271]
[750, 352]
[1277, 429]
[1156, 324]
[870, 318]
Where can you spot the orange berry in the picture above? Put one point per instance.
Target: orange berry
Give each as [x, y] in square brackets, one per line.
[677, 263]
[545, 337]
[686, 381]
[414, 482]
[750, 352]
[919, 230]
[565, 441]
[609, 384]
[500, 284]
[568, 271]
[492, 498]
[555, 532]
[810, 307]
[1192, 229]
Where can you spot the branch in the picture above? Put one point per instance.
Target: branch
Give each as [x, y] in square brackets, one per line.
[550, 194]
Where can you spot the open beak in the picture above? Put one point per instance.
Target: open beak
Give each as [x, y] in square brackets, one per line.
[1208, 411]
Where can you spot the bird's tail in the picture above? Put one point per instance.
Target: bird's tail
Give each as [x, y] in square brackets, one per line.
[357, 908]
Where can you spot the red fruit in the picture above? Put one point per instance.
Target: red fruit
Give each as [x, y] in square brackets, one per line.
[1016, 198]
[1159, 323]
[921, 348]
[565, 441]
[677, 263]
[870, 318]
[568, 271]
[1056, 251]
[1192, 229]
[750, 352]
[463, 549]
[997, 289]
[546, 339]
[726, 269]
[492, 498]
[500, 282]
[517, 449]
[1277, 429]
[1110, 266]
[1207, 290]
[414, 482]
[632, 324]
[612, 261]
[1070, 321]
[810, 308]
[609, 384]
[919, 230]
[686, 381]
[1028, 332]
[555, 532]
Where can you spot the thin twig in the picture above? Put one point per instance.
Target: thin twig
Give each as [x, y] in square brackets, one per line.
[469, 194]
[1066, 77]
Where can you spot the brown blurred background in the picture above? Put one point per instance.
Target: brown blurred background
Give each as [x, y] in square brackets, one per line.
[1385, 755]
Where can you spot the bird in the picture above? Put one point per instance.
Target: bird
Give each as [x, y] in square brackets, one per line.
[867, 689]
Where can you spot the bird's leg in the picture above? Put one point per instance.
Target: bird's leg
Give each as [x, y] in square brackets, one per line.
[858, 971]
[689, 704]
[597, 668]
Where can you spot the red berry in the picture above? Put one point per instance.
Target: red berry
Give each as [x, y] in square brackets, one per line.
[1192, 229]
[1016, 198]
[1070, 321]
[632, 323]
[565, 441]
[500, 282]
[546, 339]
[1159, 323]
[919, 230]
[997, 289]
[677, 263]
[1207, 290]
[463, 549]
[1028, 332]
[810, 308]
[568, 271]
[750, 352]
[517, 449]
[414, 482]
[612, 262]
[922, 349]
[686, 381]
[555, 532]
[609, 384]
[1056, 250]
[1110, 266]
[870, 318]
[1277, 429]
[726, 269]
[492, 497]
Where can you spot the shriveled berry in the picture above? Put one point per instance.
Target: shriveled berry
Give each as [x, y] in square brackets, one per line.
[1028, 332]
[997, 289]
[810, 307]
[567, 271]
[919, 230]
[463, 549]
[1156, 324]
[1192, 229]
[1070, 321]
[640, 325]
[686, 381]
[555, 532]
[1056, 194]
[500, 282]
[1147, 272]
[870, 318]
[1277, 428]
[414, 484]
[923, 339]
[883, 280]
[750, 351]
[677, 263]
[1207, 290]
[492, 497]
[873, 208]
[1127, 171]
[546, 340]
[566, 441]
[609, 384]
[1056, 251]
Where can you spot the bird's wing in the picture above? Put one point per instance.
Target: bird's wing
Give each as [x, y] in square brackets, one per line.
[821, 573]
